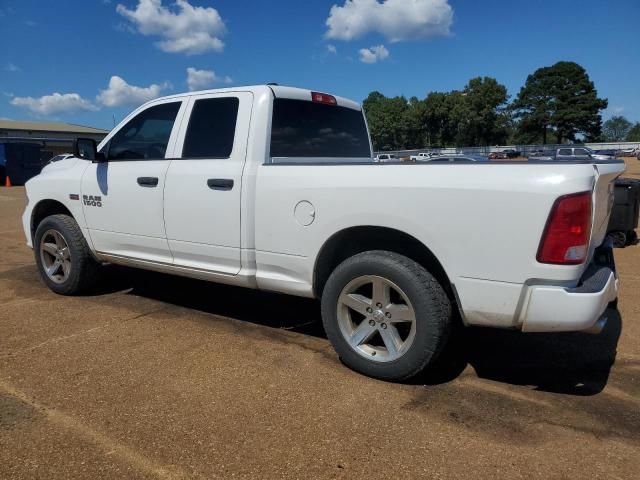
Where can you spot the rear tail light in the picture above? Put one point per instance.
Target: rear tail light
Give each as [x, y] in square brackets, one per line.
[323, 98]
[566, 236]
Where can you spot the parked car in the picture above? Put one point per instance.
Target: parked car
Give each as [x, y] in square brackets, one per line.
[628, 152]
[385, 157]
[511, 153]
[539, 151]
[421, 156]
[275, 188]
[606, 152]
[504, 154]
[570, 153]
[623, 220]
[458, 158]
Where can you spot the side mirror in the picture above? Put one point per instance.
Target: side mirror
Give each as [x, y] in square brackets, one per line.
[86, 148]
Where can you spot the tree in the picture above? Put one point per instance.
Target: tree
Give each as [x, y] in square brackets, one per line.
[561, 98]
[634, 133]
[387, 121]
[476, 115]
[616, 129]
[379, 125]
[484, 101]
[415, 119]
[438, 124]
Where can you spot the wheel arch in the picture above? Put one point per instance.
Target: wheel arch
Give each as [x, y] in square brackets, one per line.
[354, 240]
[45, 208]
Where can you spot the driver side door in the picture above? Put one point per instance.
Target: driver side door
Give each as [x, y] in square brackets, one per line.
[123, 196]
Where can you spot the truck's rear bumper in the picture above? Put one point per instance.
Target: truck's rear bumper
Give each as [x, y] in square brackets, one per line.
[560, 309]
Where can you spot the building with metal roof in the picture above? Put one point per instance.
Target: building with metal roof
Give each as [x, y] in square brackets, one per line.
[54, 138]
[18, 128]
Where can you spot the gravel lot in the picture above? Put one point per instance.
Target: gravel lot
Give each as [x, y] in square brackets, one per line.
[161, 377]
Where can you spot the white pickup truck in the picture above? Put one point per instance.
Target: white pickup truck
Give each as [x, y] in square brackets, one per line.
[421, 156]
[275, 188]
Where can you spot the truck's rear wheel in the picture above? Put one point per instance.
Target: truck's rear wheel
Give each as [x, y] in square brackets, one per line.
[386, 316]
[63, 257]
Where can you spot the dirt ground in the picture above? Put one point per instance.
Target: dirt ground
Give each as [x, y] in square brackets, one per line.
[161, 377]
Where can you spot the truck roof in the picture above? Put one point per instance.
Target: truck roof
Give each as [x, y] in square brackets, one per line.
[279, 91]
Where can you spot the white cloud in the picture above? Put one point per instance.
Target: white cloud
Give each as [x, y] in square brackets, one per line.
[201, 79]
[54, 103]
[618, 110]
[12, 68]
[190, 30]
[373, 54]
[397, 20]
[119, 92]
[332, 49]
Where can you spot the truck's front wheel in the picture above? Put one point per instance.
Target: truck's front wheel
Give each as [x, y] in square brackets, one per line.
[386, 316]
[63, 257]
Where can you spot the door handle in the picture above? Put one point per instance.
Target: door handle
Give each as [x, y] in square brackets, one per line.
[220, 183]
[148, 181]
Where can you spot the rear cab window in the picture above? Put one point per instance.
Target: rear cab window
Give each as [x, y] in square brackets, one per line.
[303, 130]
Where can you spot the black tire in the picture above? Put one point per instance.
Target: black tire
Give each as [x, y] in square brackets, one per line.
[433, 313]
[84, 270]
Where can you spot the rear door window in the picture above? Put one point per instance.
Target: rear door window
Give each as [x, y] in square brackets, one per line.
[212, 128]
[306, 129]
[565, 152]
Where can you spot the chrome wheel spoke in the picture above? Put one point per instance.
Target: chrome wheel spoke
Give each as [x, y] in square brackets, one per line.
[361, 334]
[53, 268]
[66, 267]
[50, 248]
[400, 313]
[60, 243]
[356, 302]
[391, 339]
[381, 291]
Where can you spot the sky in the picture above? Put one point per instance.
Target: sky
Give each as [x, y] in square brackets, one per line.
[90, 62]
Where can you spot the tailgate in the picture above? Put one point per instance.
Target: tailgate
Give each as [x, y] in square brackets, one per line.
[606, 173]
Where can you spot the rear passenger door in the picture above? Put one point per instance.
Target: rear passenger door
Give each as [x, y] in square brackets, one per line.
[203, 188]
